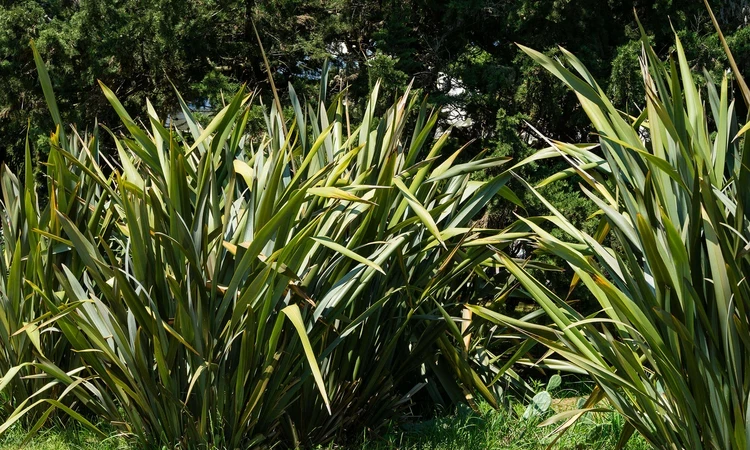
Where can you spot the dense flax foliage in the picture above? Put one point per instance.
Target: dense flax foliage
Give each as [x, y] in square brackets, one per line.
[213, 289]
[671, 347]
[290, 276]
[460, 52]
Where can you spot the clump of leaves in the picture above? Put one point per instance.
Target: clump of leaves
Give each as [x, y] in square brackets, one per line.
[669, 349]
[206, 288]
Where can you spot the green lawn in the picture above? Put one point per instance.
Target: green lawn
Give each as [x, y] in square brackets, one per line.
[462, 430]
[60, 438]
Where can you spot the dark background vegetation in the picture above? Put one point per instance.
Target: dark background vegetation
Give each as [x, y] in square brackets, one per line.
[460, 52]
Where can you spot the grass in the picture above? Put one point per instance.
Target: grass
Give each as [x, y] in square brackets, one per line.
[60, 437]
[500, 430]
[461, 430]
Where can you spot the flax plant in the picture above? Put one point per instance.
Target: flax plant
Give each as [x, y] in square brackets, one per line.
[670, 348]
[207, 287]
